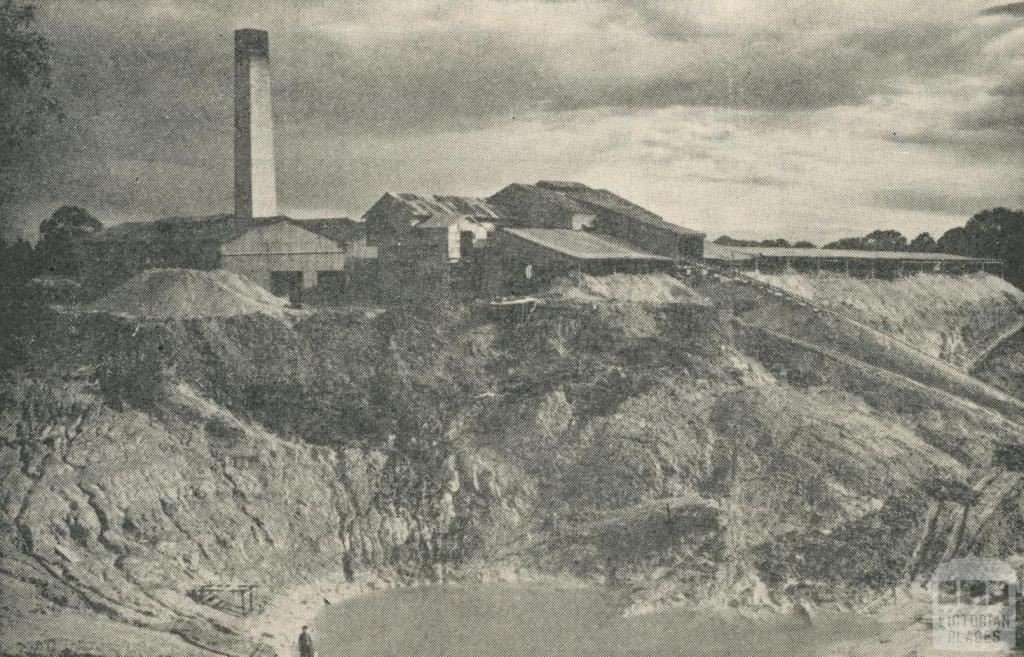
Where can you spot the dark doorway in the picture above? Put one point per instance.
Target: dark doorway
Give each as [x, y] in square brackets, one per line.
[287, 284]
[465, 244]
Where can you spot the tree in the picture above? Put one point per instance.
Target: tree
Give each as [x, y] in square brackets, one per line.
[885, 240]
[25, 103]
[846, 243]
[877, 240]
[59, 237]
[994, 233]
[725, 240]
[19, 312]
[953, 240]
[923, 243]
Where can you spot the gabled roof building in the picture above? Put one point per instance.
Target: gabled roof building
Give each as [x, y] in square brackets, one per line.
[575, 206]
[522, 234]
[405, 219]
[284, 255]
[427, 245]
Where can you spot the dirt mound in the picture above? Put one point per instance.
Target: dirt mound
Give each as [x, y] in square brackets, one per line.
[189, 294]
[647, 288]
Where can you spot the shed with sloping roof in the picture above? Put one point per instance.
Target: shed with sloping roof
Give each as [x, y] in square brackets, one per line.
[521, 260]
[283, 255]
[861, 263]
[573, 205]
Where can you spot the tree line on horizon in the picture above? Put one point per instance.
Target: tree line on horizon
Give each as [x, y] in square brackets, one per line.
[877, 240]
[993, 233]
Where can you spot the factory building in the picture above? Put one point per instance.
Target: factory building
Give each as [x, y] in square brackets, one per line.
[523, 260]
[415, 247]
[518, 238]
[284, 255]
[428, 246]
[575, 206]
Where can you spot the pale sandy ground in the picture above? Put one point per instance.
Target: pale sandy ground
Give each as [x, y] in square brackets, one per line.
[280, 623]
[907, 617]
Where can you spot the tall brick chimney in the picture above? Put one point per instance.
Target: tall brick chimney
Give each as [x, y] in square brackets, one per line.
[255, 180]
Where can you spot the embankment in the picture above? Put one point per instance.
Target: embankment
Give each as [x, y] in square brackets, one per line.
[779, 312]
[688, 443]
[952, 318]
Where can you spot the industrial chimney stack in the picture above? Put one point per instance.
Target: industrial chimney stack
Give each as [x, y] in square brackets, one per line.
[255, 181]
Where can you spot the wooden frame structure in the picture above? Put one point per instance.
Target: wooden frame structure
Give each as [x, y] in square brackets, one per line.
[235, 597]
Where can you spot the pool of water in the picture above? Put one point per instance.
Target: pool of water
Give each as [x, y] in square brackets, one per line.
[497, 620]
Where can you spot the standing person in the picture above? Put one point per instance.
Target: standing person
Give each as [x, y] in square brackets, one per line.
[306, 643]
[347, 567]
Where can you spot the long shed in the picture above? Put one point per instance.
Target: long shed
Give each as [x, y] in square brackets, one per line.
[861, 263]
[575, 206]
[520, 260]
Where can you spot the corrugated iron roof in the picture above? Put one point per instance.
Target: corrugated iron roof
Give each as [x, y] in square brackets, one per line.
[444, 220]
[341, 230]
[553, 196]
[582, 245]
[430, 205]
[606, 200]
[739, 253]
[218, 229]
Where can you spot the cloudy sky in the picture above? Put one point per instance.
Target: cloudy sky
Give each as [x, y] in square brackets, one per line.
[794, 118]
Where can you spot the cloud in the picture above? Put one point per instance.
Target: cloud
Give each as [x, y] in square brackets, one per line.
[916, 200]
[1002, 110]
[1010, 9]
[401, 65]
[989, 118]
[765, 116]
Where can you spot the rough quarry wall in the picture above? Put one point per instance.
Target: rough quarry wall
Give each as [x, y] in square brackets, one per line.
[262, 449]
[122, 513]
